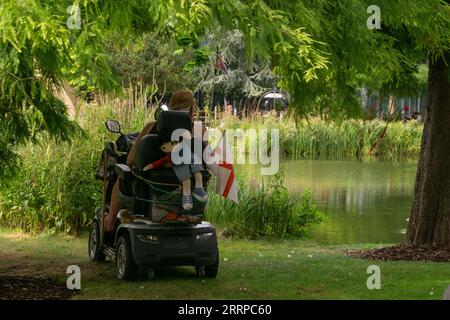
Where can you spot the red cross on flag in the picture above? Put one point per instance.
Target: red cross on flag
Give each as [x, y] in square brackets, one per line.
[226, 184]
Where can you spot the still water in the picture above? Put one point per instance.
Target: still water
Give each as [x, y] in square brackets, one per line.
[363, 201]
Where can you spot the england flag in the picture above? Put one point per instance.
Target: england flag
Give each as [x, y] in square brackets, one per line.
[226, 184]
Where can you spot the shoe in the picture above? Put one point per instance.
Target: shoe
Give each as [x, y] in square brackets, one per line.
[187, 202]
[200, 194]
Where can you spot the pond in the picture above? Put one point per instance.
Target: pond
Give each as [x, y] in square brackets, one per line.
[364, 201]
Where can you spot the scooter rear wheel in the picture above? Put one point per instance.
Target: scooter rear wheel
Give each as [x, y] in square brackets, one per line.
[94, 247]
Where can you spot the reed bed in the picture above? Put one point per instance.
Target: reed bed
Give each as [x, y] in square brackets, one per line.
[337, 140]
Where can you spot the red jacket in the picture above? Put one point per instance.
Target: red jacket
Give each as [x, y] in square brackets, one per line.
[167, 159]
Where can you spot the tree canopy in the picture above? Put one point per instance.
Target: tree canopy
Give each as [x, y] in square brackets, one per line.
[321, 51]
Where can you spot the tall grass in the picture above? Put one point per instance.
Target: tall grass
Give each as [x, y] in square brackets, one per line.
[351, 138]
[55, 188]
[267, 210]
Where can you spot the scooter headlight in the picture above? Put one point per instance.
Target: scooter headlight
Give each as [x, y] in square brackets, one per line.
[148, 238]
[204, 236]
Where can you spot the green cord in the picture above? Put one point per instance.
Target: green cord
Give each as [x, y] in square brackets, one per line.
[149, 183]
[153, 187]
[156, 201]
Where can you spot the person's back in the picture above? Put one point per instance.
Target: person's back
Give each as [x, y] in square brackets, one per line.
[181, 101]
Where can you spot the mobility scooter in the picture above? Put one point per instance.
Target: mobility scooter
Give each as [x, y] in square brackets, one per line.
[152, 230]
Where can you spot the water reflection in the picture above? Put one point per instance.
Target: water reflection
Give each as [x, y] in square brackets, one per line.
[365, 201]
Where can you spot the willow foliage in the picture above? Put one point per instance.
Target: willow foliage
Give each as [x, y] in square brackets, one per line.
[321, 50]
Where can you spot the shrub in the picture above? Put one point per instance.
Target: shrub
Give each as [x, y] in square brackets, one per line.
[267, 210]
[55, 187]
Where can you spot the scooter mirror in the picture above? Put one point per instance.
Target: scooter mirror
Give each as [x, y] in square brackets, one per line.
[113, 126]
[159, 110]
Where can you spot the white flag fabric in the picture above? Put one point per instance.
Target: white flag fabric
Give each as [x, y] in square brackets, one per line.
[226, 184]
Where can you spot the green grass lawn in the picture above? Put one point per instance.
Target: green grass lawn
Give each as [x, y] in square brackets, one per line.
[248, 270]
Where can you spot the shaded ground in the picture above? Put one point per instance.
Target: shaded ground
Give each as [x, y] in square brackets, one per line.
[404, 252]
[248, 270]
[28, 288]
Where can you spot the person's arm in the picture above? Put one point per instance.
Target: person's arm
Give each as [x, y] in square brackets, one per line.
[147, 129]
[158, 163]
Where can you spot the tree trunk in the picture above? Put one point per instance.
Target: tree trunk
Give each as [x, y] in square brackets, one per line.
[429, 222]
[392, 105]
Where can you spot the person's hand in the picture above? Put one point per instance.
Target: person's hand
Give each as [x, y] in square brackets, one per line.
[148, 167]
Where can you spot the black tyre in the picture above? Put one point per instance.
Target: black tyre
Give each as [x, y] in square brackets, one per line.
[126, 268]
[151, 274]
[94, 246]
[200, 271]
[212, 269]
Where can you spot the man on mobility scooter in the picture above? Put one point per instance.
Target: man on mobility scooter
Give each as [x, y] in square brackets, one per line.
[142, 222]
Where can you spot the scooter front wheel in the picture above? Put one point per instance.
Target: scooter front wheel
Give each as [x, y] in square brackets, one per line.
[200, 270]
[212, 270]
[126, 268]
[151, 274]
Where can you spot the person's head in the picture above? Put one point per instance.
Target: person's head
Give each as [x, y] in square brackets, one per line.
[167, 147]
[182, 100]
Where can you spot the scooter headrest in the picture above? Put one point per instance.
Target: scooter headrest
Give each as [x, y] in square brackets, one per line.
[168, 121]
[148, 151]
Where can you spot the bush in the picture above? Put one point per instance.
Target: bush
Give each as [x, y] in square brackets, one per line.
[55, 187]
[263, 211]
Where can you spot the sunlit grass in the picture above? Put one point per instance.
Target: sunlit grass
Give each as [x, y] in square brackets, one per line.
[262, 269]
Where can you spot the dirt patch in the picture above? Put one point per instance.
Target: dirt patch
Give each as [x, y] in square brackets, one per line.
[404, 252]
[28, 288]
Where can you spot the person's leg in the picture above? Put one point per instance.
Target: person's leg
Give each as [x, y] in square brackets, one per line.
[114, 208]
[183, 173]
[186, 184]
[198, 179]
[198, 193]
